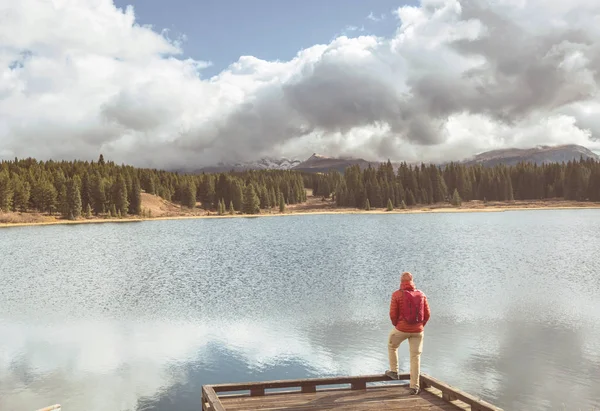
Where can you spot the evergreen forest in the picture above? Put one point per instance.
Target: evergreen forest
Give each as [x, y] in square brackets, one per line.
[429, 184]
[77, 188]
[74, 189]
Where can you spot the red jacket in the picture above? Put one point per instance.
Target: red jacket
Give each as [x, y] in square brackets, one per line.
[396, 309]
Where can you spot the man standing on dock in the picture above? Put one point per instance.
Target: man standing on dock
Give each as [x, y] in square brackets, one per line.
[409, 312]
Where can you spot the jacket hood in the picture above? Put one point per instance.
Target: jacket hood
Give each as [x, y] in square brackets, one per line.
[407, 285]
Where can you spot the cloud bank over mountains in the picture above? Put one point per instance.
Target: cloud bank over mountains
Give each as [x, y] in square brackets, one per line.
[80, 77]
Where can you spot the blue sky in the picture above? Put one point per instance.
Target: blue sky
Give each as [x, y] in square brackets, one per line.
[221, 31]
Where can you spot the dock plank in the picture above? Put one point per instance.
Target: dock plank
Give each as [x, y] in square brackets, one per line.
[375, 398]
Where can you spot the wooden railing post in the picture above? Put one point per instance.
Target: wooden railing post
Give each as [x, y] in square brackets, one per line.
[358, 385]
[210, 400]
[308, 388]
[257, 391]
[205, 404]
[449, 396]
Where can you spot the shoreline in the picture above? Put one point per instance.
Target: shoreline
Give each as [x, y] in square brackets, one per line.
[304, 212]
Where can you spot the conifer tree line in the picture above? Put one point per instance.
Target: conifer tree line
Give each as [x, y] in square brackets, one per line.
[248, 191]
[80, 189]
[377, 187]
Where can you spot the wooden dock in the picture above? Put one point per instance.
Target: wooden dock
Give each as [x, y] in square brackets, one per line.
[371, 392]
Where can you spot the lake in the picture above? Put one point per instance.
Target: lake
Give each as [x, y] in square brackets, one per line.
[137, 316]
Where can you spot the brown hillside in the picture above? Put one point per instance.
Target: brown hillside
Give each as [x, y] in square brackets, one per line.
[159, 207]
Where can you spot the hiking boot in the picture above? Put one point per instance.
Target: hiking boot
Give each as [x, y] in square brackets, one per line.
[391, 374]
[414, 391]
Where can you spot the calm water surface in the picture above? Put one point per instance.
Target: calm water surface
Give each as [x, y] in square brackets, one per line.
[138, 316]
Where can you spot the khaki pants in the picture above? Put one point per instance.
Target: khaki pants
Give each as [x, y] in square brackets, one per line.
[415, 342]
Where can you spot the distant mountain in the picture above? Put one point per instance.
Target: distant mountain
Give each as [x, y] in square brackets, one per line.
[318, 163]
[314, 164]
[538, 155]
[321, 164]
[262, 164]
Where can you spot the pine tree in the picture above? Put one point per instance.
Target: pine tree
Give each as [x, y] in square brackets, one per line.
[403, 205]
[86, 190]
[73, 200]
[593, 191]
[207, 194]
[456, 200]
[113, 211]
[22, 194]
[189, 195]
[263, 196]
[231, 209]
[390, 206]
[88, 211]
[367, 205]
[98, 190]
[135, 198]
[44, 196]
[251, 200]
[6, 191]
[119, 197]
[63, 204]
[410, 198]
[509, 187]
[439, 189]
[281, 203]
[147, 183]
[237, 195]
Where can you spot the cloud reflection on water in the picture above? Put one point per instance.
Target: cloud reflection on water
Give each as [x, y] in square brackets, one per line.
[108, 365]
[162, 365]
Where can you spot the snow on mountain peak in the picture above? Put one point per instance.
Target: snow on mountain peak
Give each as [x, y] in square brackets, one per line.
[268, 163]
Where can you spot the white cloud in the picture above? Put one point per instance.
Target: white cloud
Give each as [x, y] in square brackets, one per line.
[355, 28]
[375, 18]
[80, 77]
